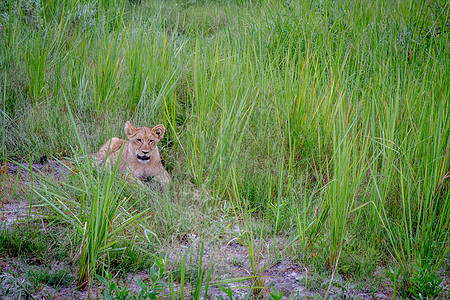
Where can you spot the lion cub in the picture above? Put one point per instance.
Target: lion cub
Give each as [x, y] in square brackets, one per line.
[140, 155]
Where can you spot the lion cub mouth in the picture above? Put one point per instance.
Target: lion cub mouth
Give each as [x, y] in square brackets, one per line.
[142, 157]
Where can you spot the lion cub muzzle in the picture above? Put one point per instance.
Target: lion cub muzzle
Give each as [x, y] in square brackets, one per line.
[143, 158]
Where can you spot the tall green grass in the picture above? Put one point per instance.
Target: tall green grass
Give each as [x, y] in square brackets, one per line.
[333, 115]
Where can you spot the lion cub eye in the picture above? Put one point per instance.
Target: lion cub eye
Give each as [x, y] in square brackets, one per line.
[151, 141]
[139, 140]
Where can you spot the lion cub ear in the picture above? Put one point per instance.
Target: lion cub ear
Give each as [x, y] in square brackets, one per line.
[129, 128]
[159, 130]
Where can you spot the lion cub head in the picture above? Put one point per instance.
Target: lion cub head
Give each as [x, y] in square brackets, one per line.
[144, 140]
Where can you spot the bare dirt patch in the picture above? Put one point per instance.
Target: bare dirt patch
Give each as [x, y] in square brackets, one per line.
[230, 260]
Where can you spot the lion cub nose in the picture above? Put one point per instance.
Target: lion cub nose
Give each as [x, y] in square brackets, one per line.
[144, 152]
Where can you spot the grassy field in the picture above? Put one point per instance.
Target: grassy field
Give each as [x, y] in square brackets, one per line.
[321, 127]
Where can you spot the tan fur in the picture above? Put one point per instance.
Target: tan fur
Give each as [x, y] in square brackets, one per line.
[140, 156]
